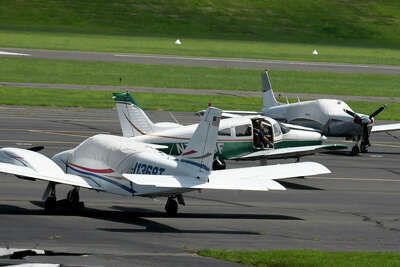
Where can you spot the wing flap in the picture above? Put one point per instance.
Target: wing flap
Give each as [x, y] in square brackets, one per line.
[172, 181]
[275, 172]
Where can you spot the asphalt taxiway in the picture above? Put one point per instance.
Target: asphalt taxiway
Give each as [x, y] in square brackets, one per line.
[353, 209]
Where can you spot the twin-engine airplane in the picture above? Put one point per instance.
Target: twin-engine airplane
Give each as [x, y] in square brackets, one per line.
[122, 166]
[330, 116]
[238, 138]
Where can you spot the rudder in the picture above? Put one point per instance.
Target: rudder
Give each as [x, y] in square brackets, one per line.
[132, 118]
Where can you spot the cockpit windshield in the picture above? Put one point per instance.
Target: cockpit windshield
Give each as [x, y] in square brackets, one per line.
[284, 128]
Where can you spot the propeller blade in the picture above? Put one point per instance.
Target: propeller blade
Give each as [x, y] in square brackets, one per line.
[379, 110]
[36, 148]
[353, 114]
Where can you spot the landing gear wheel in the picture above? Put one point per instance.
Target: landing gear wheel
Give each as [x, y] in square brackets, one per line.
[219, 164]
[50, 204]
[171, 207]
[355, 150]
[73, 199]
[364, 148]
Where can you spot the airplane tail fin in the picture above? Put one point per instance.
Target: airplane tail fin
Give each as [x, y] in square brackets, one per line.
[133, 119]
[269, 99]
[199, 153]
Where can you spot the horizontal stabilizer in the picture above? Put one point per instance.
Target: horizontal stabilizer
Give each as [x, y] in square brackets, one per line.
[30, 164]
[290, 152]
[67, 179]
[215, 182]
[385, 128]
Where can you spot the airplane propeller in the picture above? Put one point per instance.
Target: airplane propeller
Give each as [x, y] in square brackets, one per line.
[353, 114]
[379, 110]
[363, 121]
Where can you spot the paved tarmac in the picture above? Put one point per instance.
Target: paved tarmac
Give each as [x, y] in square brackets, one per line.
[201, 61]
[353, 209]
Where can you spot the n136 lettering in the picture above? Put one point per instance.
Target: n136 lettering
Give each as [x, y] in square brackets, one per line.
[141, 168]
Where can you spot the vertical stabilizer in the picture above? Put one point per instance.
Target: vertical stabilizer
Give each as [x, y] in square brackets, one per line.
[199, 153]
[269, 99]
[133, 120]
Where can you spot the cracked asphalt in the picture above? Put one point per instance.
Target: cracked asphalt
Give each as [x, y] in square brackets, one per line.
[353, 209]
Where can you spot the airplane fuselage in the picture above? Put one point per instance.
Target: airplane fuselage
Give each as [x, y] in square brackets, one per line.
[326, 115]
[106, 170]
[235, 137]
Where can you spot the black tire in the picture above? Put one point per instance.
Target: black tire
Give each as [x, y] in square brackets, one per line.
[171, 207]
[50, 204]
[73, 199]
[219, 165]
[355, 151]
[364, 148]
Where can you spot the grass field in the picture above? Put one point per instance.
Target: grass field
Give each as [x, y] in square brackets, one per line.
[356, 32]
[172, 102]
[306, 258]
[107, 73]
[325, 21]
[201, 47]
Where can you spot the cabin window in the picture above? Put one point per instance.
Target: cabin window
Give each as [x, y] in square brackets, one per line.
[277, 129]
[243, 130]
[284, 128]
[224, 132]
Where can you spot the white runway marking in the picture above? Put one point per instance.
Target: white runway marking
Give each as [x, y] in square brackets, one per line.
[243, 60]
[13, 54]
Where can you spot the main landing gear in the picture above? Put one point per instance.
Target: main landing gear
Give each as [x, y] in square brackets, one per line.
[171, 207]
[71, 203]
[218, 164]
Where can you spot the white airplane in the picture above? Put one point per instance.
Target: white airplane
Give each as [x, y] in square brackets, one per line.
[237, 137]
[330, 116]
[121, 166]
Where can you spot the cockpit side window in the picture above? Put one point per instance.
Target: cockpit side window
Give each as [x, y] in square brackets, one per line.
[243, 130]
[225, 132]
[277, 129]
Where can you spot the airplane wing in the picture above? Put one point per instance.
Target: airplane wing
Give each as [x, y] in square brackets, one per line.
[172, 181]
[385, 128]
[259, 178]
[29, 164]
[232, 113]
[290, 152]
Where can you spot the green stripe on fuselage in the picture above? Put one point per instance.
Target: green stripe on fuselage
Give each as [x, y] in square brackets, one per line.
[237, 149]
[296, 143]
[225, 150]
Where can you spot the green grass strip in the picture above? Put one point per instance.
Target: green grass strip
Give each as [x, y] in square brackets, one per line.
[200, 47]
[303, 258]
[103, 99]
[172, 102]
[31, 70]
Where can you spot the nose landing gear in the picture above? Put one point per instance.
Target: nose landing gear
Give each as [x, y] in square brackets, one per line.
[171, 207]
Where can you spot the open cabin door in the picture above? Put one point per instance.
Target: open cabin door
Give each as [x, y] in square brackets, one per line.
[263, 133]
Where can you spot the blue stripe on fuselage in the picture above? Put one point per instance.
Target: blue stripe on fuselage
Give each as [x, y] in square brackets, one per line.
[204, 167]
[103, 178]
